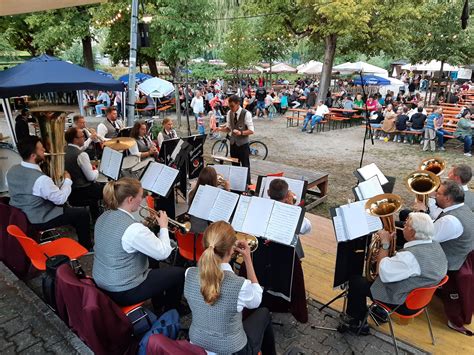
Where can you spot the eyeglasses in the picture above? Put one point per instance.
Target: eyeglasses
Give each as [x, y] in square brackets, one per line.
[80, 136]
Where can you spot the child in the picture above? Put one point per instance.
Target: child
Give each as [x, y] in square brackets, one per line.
[271, 111]
[201, 124]
[213, 124]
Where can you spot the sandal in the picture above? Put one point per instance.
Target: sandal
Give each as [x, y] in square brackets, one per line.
[461, 330]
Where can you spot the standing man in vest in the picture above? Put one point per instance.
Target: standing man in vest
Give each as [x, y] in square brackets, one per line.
[462, 174]
[420, 263]
[240, 126]
[85, 189]
[111, 126]
[39, 198]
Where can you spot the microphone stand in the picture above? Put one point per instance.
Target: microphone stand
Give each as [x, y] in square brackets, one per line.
[368, 130]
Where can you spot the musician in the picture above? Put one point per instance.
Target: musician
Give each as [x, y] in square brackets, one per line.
[39, 198]
[217, 297]
[420, 263]
[111, 126]
[167, 132]
[462, 174]
[240, 126]
[85, 189]
[79, 121]
[279, 191]
[144, 148]
[454, 223]
[207, 176]
[122, 248]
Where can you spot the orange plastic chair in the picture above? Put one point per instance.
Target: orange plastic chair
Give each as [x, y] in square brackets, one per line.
[150, 202]
[39, 253]
[254, 187]
[417, 300]
[127, 309]
[186, 243]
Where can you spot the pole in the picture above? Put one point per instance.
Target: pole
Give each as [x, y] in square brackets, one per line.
[132, 64]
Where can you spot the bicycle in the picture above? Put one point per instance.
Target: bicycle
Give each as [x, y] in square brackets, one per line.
[258, 149]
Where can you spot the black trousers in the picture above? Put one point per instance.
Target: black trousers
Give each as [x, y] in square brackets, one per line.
[243, 154]
[164, 287]
[88, 196]
[78, 218]
[259, 331]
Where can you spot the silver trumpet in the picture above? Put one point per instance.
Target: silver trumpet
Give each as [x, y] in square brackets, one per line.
[150, 219]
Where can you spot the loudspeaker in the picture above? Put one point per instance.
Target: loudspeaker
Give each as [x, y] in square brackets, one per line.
[143, 35]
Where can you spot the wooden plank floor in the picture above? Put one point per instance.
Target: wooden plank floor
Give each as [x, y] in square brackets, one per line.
[318, 264]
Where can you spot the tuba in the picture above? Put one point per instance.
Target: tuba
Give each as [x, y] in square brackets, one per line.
[52, 126]
[383, 206]
[434, 165]
[422, 183]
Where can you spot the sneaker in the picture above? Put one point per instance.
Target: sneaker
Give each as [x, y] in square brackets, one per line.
[98, 116]
[467, 154]
[399, 141]
[442, 148]
[381, 138]
[311, 130]
[405, 142]
[303, 130]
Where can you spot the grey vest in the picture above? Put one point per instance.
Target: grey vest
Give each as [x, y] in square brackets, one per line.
[456, 250]
[114, 269]
[70, 163]
[142, 144]
[20, 185]
[112, 132]
[433, 267]
[238, 123]
[217, 328]
[469, 199]
[172, 134]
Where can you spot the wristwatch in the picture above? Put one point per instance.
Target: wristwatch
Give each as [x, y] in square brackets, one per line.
[385, 246]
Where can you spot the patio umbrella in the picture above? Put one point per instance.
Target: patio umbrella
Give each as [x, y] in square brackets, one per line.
[281, 68]
[139, 77]
[371, 80]
[311, 68]
[156, 87]
[104, 73]
[365, 68]
[433, 66]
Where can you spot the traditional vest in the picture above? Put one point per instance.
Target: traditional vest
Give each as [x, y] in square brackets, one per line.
[169, 135]
[114, 269]
[217, 328]
[70, 163]
[20, 186]
[112, 132]
[238, 123]
[456, 250]
[433, 265]
[469, 199]
[143, 144]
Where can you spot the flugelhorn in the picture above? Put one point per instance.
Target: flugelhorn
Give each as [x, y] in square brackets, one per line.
[150, 219]
[435, 165]
[251, 240]
[383, 206]
[422, 183]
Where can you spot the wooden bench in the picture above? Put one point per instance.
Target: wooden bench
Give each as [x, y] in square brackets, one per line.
[141, 111]
[163, 109]
[291, 119]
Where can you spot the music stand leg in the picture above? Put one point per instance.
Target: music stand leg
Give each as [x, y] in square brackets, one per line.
[342, 294]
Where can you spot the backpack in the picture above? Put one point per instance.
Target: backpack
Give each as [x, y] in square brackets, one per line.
[167, 324]
[48, 283]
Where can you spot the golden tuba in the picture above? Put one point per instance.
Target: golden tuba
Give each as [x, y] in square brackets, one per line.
[435, 165]
[422, 183]
[383, 206]
[52, 126]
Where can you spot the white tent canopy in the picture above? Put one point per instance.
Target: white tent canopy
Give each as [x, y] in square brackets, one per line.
[281, 68]
[156, 87]
[432, 66]
[366, 68]
[312, 67]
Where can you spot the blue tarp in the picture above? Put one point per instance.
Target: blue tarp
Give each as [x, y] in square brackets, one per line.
[104, 73]
[139, 77]
[50, 74]
[371, 80]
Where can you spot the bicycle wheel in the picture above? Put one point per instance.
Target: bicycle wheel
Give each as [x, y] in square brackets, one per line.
[258, 150]
[220, 148]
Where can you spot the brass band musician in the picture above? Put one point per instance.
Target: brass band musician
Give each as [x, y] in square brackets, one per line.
[167, 132]
[145, 148]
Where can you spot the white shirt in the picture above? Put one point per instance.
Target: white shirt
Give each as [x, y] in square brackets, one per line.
[402, 265]
[250, 294]
[138, 238]
[322, 110]
[84, 163]
[161, 137]
[88, 141]
[44, 187]
[248, 119]
[197, 104]
[447, 227]
[102, 129]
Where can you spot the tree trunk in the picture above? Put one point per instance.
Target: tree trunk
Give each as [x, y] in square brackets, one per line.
[329, 52]
[270, 74]
[87, 52]
[151, 61]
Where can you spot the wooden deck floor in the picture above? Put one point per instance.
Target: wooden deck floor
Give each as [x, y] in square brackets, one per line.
[318, 265]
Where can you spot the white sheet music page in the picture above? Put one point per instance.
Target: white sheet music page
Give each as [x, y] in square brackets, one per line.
[241, 212]
[105, 161]
[258, 215]
[370, 188]
[224, 170]
[355, 219]
[283, 222]
[203, 201]
[296, 186]
[115, 164]
[238, 178]
[165, 180]
[372, 170]
[339, 228]
[373, 223]
[223, 206]
[151, 175]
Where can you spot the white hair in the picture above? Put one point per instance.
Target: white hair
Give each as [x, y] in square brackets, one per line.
[422, 224]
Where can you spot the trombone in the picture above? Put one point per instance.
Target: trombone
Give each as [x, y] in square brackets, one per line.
[150, 219]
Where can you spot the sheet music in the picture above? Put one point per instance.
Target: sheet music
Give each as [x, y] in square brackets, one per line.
[373, 223]
[203, 201]
[296, 186]
[339, 228]
[241, 212]
[356, 221]
[223, 206]
[283, 222]
[370, 188]
[177, 149]
[371, 170]
[150, 176]
[258, 215]
[238, 178]
[224, 170]
[165, 180]
[111, 163]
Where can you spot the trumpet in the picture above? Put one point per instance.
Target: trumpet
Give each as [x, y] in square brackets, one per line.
[150, 219]
[92, 131]
[251, 240]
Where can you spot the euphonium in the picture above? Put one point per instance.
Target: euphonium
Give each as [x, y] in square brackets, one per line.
[422, 183]
[434, 165]
[52, 126]
[221, 180]
[150, 220]
[251, 240]
[383, 206]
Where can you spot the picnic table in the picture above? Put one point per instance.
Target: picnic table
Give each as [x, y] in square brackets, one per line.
[317, 181]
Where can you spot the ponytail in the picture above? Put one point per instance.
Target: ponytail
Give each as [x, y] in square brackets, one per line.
[219, 238]
[115, 192]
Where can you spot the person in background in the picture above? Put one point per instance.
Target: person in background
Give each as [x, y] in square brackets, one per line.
[22, 129]
[372, 104]
[201, 123]
[462, 174]
[388, 125]
[417, 121]
[197, 104]
[318, 116]
[464, 132]
[401, 123]
[103, 100]
[430, 129]
[260, 95]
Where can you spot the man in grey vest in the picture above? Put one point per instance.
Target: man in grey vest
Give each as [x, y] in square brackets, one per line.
[85, 190]
[111, 126]
[420, 263]
[39, 198]
[240, 126]
[462, 174]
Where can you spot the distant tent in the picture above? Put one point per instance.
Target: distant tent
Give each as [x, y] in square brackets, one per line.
[139, 77]
[311, 68]
[365, 68]
[432, 66]
[156, 87]
[281, 68]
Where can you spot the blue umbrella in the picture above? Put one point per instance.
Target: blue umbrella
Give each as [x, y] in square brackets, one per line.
[139, 77]
[371, 80]
[104, 73]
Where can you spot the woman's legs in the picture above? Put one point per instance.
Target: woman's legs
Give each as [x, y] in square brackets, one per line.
[259, 331]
